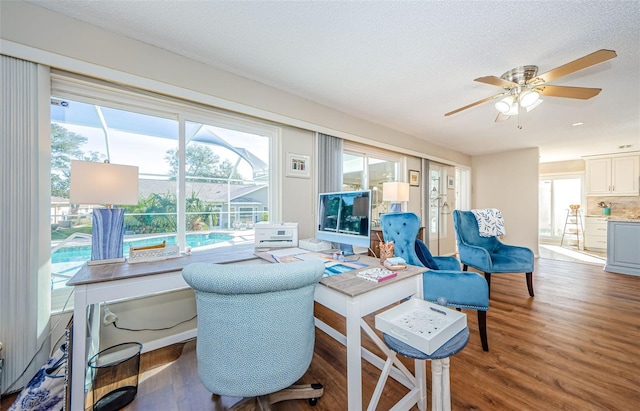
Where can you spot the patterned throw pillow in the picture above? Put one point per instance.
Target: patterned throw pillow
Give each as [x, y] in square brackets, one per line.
[45, 391]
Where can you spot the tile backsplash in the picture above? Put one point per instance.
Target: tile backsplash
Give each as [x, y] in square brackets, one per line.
[620, 206]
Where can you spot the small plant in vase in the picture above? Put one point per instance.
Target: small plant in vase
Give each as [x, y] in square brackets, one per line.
[606, 207]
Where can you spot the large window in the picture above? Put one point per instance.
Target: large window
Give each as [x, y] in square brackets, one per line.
[367, 168]
[555, 195]
[209, 194]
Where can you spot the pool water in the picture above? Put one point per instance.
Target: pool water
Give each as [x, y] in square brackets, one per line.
[83, 252]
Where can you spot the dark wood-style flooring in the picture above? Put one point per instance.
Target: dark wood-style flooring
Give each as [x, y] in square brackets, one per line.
[574, 346]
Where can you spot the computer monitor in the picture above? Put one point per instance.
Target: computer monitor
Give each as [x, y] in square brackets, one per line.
[344, 217]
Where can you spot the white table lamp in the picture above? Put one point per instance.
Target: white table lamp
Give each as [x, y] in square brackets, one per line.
[395, 193]
[106, 184]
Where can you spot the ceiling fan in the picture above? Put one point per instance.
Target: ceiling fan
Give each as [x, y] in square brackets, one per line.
[523, 86]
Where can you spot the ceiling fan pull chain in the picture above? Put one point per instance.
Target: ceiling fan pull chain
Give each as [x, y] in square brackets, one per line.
[519, 125]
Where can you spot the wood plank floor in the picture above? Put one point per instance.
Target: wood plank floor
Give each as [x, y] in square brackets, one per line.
[574, 346]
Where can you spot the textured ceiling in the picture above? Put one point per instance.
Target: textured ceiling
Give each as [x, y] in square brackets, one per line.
[404, 64]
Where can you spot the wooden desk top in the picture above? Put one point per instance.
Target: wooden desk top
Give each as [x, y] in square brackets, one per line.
[118, 271]
[347, 283]
[350, 284]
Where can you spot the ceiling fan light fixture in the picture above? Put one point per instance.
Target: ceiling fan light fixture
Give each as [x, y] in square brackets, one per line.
[528, 98]
[513, 110]
[534, 105]
[505, 105]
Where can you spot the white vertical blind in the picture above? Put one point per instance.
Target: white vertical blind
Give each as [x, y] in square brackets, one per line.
[21, 325]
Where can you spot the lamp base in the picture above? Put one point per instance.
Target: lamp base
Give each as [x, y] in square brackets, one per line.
[107, 234]
[396, 207]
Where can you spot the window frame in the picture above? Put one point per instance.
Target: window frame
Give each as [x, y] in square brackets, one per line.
[98, 92]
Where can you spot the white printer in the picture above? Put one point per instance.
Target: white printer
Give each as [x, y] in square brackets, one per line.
[276, 235]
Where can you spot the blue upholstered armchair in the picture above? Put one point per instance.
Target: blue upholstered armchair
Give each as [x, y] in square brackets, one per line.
[488, 254]
[444, 279]
[256, 330]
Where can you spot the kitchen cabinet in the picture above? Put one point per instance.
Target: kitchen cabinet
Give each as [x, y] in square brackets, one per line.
[595, 233]
[619, 175]
[623, 241]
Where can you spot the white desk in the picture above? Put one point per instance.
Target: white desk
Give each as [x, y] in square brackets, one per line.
[347, 295]
[354, 298]
[99, 283]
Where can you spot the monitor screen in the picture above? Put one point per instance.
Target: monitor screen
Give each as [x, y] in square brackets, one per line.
[344, 217]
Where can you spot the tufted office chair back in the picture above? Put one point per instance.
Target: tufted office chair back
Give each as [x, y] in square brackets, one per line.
[256, 330]
[402, 229]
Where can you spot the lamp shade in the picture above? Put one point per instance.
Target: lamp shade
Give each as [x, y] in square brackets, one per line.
[395, 192]
[505, 104]
[528, 98]
[103, 183]
[534, 105]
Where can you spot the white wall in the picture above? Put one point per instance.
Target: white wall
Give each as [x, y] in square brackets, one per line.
[509, 182]
[298, 202]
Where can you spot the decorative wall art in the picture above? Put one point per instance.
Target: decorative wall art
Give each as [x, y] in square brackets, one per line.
[298, 165]
[414, 178]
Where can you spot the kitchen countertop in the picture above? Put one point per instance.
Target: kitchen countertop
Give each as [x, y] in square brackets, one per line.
[630, 219]
[625, 219]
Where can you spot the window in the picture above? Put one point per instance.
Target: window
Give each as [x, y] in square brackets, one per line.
[364, 168]
[207, 195]
[555, 195]
[437, 199]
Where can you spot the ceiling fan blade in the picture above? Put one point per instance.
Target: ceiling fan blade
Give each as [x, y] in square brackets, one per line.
[473, 104]
[599, 56]
[496, 81]
[583, 93]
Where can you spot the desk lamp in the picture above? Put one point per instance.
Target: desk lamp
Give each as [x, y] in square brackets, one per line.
[396, 193]
[104, 183]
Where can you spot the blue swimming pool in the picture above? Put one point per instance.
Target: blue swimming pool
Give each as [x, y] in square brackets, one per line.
[83, 252]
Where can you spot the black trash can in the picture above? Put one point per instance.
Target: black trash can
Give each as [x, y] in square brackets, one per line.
[114, 376]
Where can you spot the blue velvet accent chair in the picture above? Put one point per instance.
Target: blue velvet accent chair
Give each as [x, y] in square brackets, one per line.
[460, 289]
[256, 331]
[489, 254]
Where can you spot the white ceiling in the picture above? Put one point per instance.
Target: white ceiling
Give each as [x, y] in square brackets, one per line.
[404, 64]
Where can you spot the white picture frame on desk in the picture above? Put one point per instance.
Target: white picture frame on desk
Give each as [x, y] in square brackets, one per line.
[298, 166]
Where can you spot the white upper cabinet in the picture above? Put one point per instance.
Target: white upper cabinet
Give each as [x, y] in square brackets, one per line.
[619, 176]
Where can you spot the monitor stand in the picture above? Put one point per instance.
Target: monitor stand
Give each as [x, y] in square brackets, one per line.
[347, 249]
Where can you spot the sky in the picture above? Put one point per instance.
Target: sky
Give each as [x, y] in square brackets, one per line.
[143, 140]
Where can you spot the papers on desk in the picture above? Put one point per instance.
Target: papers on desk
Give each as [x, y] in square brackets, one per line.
[294, 254]
[287, 255]
[286, 252]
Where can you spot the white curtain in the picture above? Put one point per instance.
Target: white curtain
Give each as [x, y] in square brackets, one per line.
[329, 163]
[24, 164]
